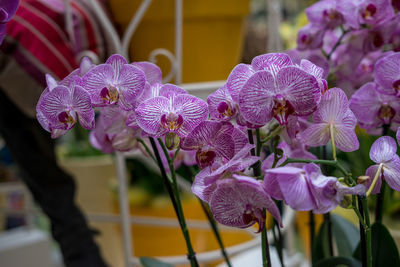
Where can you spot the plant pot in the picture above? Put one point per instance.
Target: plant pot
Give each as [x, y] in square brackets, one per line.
[212, 34]
[93, 177]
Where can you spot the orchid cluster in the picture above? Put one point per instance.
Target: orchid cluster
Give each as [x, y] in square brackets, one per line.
[347, 37]
[286, 107]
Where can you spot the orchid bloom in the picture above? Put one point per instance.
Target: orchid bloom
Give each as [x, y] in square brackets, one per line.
[60, 107]
[112, 132]
[333, 120]
[213, 141]
[239, 202]
[205, 181]
[387, 74]
[310, 37]
[278, 89]
[325, 13]
[383, 153]
[116, 81]
[372, 108]
[307, 188]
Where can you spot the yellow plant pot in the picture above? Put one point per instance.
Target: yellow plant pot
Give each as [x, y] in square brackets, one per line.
[168, 241]
[212, 34]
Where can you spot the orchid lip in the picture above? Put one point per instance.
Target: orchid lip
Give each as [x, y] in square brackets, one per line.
[205, 158]
[226, 109]
[251, 216]
[171, 122]
[369, 11]
[282, 109]
[109, 95]
[386, 113]
[67, 117]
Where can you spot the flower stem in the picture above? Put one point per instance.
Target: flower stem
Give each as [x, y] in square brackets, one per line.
[333, 142]
[378, 172]
[333, 163]
[174, 195]
[367, 232]
[147, 149]
[216, 232]
[344, 32]
[266, 258]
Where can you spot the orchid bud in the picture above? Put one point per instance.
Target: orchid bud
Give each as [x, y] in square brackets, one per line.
[363, 179]
[346, 202]
[172, 140]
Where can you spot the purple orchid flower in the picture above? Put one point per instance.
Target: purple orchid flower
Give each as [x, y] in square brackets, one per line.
[60, 107]
[369, 12]
[116, 81]
[310, 37]
[112, 132]
[325, 14]
[383, 152]
[221, 105]
[332, 120]
[239, 202]
[7, 11]
[278, 90]
[306, 188]
[372, 108]
[205, 181]
[387, 74]
[317, 72]
[329, 192]
[213, 141]
[171, 112]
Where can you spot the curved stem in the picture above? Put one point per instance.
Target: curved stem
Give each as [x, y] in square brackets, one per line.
[378, 172]
[333, 142]
[147, 149]
[175, 198]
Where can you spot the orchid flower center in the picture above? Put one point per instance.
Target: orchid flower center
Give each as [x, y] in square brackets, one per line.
[171, 122]
[396, 86]
[109, 95]
[378, 39]
[282, 109]
[226, 109]
[254, 215]
[67, 117]
[386, 113]
[331, 14]
[306, 39]
[205, 158]
[369, 11]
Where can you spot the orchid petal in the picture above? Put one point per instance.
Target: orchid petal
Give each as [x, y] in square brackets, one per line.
[131, 82]
[149, 112]
[345, 138]
[151, 70]
[82, 105]
[95, 80]
[383, 149]
[255, 98]
[300, 89]
[116, 61]
[238, 77]
[316, 135]
[271, 62]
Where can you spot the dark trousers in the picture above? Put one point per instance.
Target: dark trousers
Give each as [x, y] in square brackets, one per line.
[52, 188]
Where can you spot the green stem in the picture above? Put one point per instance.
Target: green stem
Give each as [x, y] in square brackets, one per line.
[367, 232]
[344, 32]
[259, 143]
[147, 149]
[266, 258]
[318, 161]
[274, 133]
[216, 232]
[379, 203]
[185, 231]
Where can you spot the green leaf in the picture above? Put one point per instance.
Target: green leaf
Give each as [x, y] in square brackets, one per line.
[338, 261]
[320, 249]
[346, 235]
[384, 249]
[149, 262]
